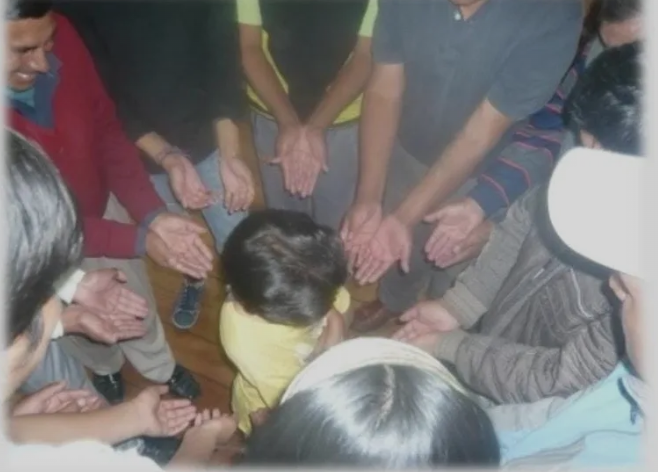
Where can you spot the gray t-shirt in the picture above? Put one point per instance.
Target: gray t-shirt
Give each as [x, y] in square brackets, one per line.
[512, 52]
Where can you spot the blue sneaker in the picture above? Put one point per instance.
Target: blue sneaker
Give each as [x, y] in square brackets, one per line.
[188, 304]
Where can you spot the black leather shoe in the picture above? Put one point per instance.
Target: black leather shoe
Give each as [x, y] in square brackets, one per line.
[182, 384]
[110, 386]
[160, 450]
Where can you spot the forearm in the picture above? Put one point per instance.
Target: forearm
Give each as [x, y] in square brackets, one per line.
[109, 425]
[350, 82]
[518, 168]
[154, 146]
[378, 129]
[508, 372]
[228, 138]
[453, 167]
[263, 80]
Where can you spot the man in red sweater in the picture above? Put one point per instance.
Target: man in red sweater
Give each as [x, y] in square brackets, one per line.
[56, 99]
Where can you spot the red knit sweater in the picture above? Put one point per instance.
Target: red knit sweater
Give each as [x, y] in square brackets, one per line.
[91, 151]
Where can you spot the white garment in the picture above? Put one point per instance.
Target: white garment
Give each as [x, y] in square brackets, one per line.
[81, 456]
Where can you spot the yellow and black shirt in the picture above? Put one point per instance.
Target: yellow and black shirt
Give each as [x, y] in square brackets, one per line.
[307, 43]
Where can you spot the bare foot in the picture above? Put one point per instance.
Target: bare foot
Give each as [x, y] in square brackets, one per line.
[210, 430]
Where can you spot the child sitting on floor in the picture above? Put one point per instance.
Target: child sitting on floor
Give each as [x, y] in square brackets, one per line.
[286, 303]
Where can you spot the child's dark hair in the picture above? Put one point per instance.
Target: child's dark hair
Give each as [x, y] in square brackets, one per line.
[283, 266]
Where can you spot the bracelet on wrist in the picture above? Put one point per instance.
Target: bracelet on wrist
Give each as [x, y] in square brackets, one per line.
[166, 152]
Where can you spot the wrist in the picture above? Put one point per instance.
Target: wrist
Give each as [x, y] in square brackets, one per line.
[316, 124]
[406, 217]
[474, 207]
[71, 320]
[171, 161]
[132, 415]
[288, 120]
[166, 153]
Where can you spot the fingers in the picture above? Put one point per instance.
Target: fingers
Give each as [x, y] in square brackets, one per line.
[50, 390]
[193, 227]
[184, 266]
[437, 240]
[204, 253]
[75, 395]
[178, 420]
[134, 330]
[131, 304]
[404, 334]
[372, 270]
[411, 331]
[411, 314]
[377, 272]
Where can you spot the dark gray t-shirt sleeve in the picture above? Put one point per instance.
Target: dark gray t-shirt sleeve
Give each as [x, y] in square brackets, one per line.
[386, 38]
[536, 64]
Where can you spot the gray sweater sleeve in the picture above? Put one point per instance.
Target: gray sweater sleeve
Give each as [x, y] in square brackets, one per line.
[508, 372]
[476, 287]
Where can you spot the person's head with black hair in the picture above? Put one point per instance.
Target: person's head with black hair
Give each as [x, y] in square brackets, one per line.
[284, 267]
[30, 35]
[620, 22]
[378, 403]
[605, 106]
[44, 243]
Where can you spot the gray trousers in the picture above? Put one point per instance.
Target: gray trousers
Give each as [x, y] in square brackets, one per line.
[150, 355]
[399, 291]
[334, 190]
[57, 365]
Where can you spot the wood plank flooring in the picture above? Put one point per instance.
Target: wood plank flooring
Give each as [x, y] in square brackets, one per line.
[199, 349]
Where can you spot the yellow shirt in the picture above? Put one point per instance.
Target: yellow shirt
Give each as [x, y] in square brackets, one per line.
[249, 14]
[267, 356]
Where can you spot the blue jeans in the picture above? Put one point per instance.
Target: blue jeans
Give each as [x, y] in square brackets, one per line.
[220, 222]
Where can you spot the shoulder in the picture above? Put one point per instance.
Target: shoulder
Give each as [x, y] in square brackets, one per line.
[68, 43]
[543, 16]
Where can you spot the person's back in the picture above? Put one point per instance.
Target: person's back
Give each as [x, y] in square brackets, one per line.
[285, 277]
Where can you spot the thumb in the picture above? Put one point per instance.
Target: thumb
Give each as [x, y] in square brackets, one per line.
[273, 160]
[120, 276]
[162, 389]
[434, 217]
[410, 314]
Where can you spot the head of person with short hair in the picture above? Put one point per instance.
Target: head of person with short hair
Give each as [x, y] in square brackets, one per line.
[284, 267]
[287, 304]
[605, 107]
[600, 220]
[375, 402]
[30, 34]
[620, 22]
[44, 243]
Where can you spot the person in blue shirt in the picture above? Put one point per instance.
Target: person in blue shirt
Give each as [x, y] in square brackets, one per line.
[602, 425]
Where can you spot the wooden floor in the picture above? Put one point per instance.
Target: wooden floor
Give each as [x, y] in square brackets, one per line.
[199, 349]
